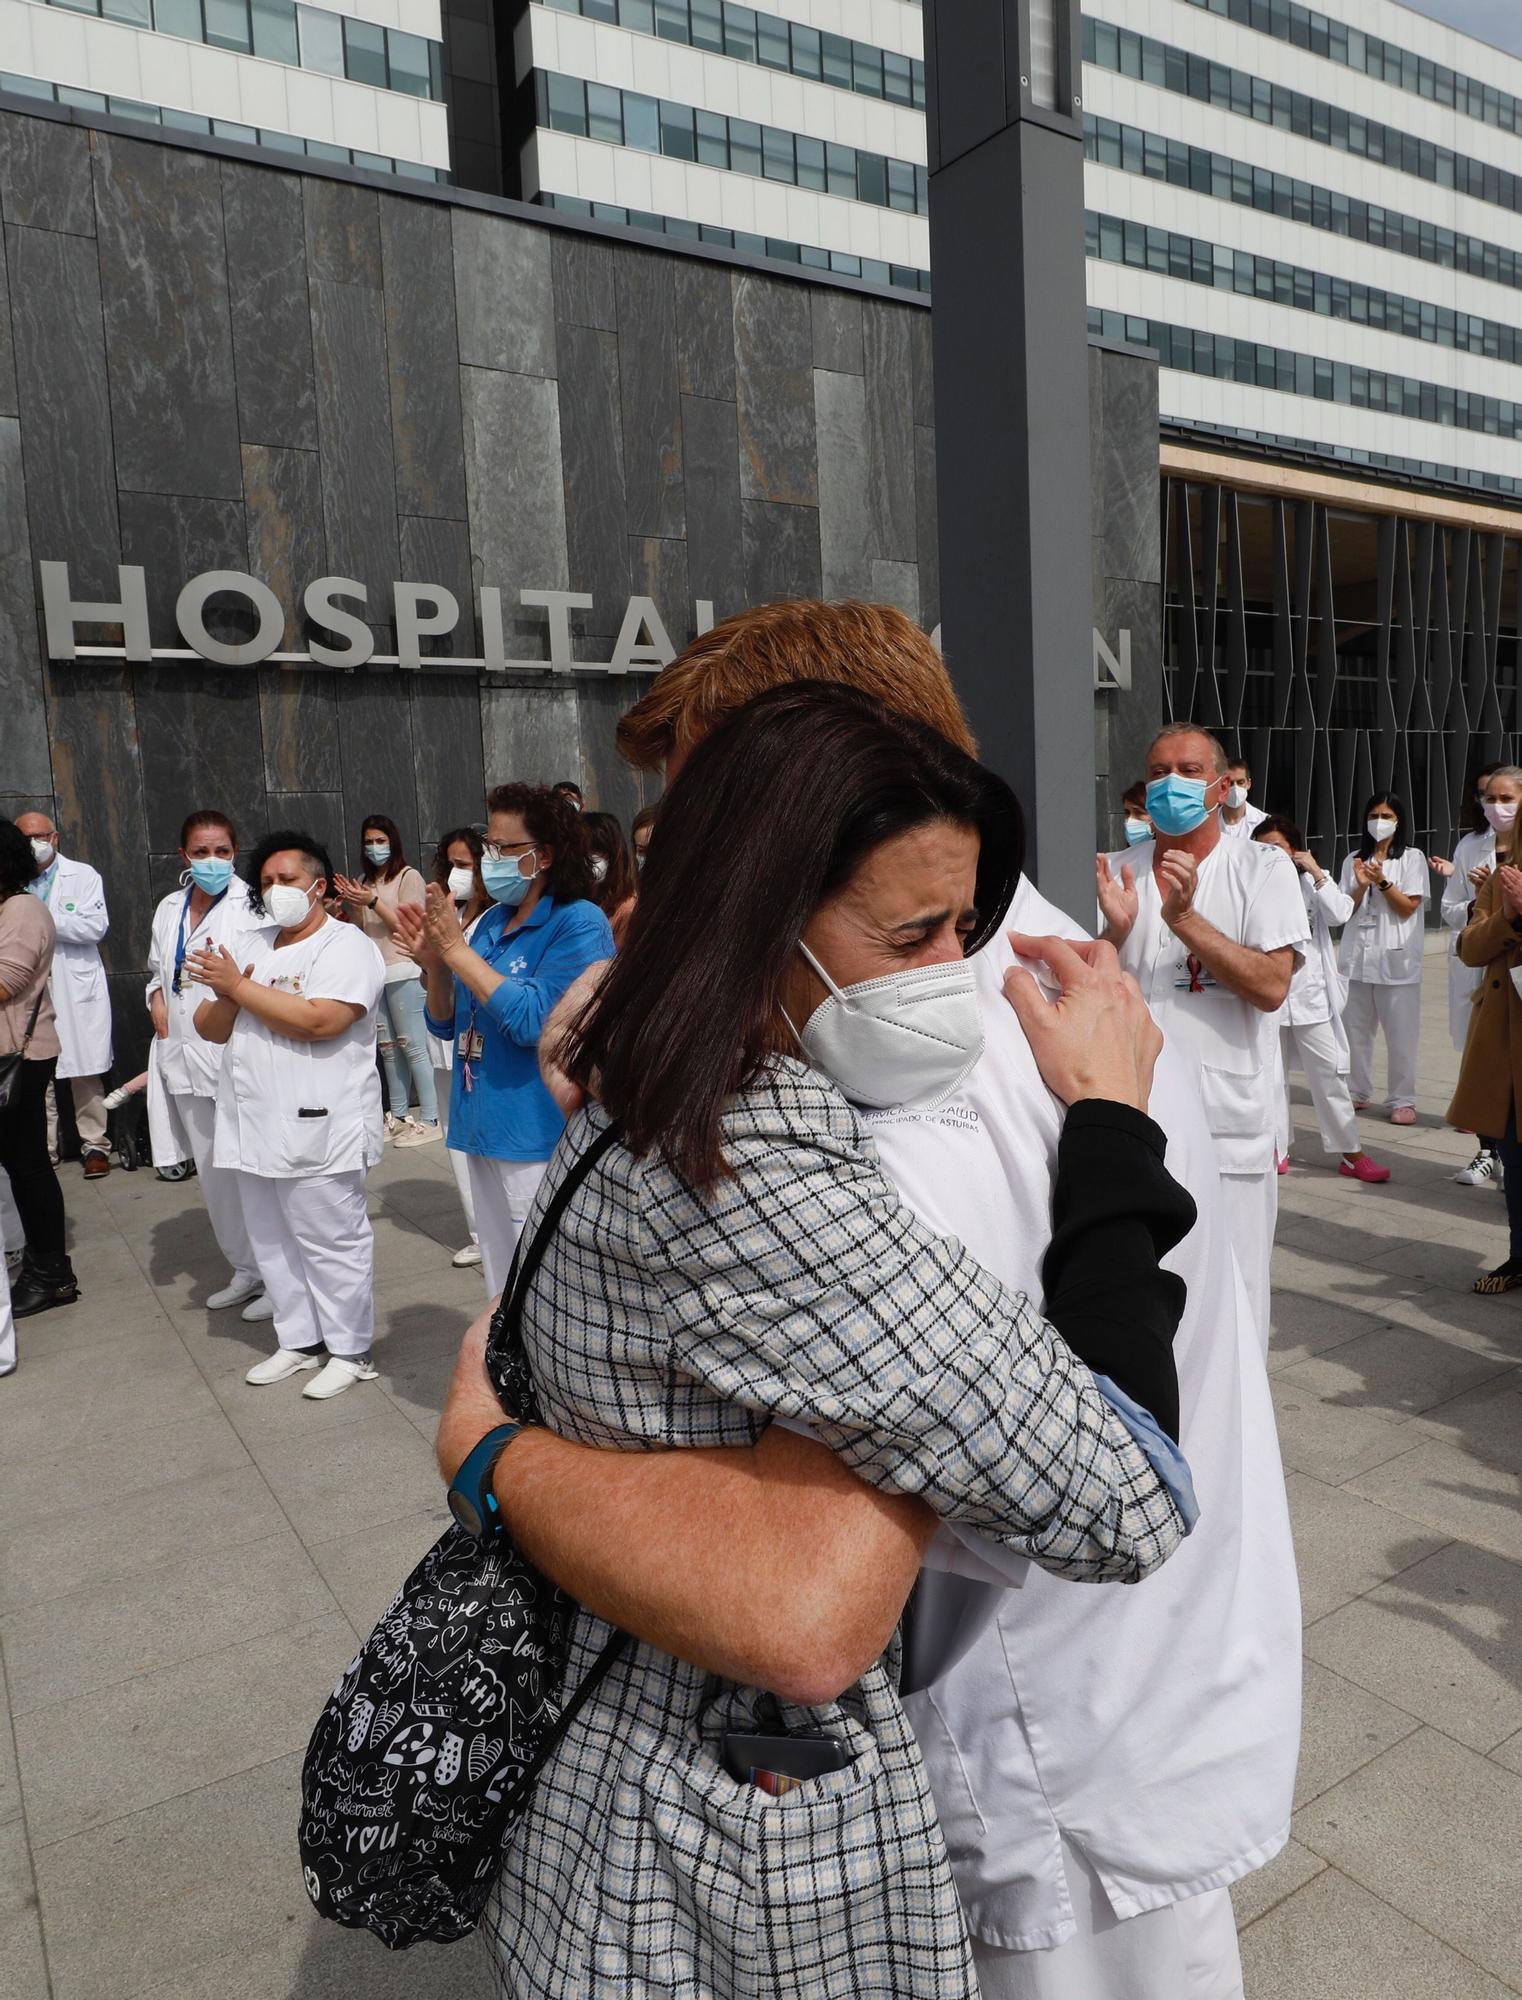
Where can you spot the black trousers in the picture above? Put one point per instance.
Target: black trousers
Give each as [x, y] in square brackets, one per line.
[1510, 1149]
[24, 1156]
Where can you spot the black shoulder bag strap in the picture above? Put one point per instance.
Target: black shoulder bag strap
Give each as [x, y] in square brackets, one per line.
[508, 1319]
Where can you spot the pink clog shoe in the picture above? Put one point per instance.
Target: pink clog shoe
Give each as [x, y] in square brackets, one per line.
[1403, 1114]
[1364, 1169]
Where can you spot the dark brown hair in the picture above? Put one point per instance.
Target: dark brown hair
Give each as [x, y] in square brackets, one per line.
[773, 814]
[196, 820]
[1285, 827]
[1135, 796]
[398, 860]
[467, 836]
[554, 822]
[606, 840]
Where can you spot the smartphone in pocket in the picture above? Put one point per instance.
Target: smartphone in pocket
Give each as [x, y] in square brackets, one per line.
[777, 1763]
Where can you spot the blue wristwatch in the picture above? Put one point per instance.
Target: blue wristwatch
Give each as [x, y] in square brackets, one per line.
[471, 1499]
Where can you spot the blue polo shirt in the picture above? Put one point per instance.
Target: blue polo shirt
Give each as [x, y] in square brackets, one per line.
[507, 1114]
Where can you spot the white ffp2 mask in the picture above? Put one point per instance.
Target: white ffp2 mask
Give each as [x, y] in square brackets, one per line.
[1381, 829]
[1236, 795]
[287, 905]
[907, 1038]
[462, 884]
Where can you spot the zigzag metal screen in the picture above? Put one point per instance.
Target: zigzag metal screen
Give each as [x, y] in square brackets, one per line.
[1341, 651]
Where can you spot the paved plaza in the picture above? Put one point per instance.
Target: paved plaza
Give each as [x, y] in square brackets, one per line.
[185, 1563]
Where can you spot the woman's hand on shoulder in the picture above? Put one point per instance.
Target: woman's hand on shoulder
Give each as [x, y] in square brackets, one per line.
[1096, 1038]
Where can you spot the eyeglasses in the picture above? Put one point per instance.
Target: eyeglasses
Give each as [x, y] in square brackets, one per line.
[506, 850]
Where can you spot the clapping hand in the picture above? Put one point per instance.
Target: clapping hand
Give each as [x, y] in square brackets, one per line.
[412, 935]
[1479, 876]
[1368, 874]
[355, 894]
[1441, 867]
[1178, 876]
[215, 966]
[1118, 900]
[1511, 890]
[442, 929]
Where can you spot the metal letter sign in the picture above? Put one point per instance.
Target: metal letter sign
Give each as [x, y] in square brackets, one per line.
[337, 606]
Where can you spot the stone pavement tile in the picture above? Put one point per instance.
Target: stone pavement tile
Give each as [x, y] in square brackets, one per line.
[10, 1778]
[141, 1741]
[416, 1359]
[366, 1473]
[312, 1960]
[1345, 1545]
[30, 1486]
[1435, 1830]
[1431, 1256]
[1451, 1491]
[1489, 1326]
[77, 1395]
[1256, 1894]
[23, 1970]
[279, 1412]
[1486, 1422]
[1509, 1753]
[418, 1195]
[1343, 1727]
[1305, 1325]
[71, 1646]
[365, 1570]
[1332, 1444]
[82, 1547]
[1331, 1940]
[1443, 1641]
[132, 1309]
[1391, 1370]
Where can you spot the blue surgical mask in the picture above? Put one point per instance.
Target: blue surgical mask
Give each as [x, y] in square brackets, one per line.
[1176, 805]
[1137, 830]
[378, 853]
[211, 874]
[505, 882]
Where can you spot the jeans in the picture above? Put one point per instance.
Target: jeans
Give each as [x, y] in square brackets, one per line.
[24, 1156]
[404, 1047]
[1510, 1149]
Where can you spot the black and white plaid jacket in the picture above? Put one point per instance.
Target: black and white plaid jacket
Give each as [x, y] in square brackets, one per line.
[799, 1287]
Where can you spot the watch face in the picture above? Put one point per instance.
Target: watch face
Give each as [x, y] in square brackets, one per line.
[465, 1513]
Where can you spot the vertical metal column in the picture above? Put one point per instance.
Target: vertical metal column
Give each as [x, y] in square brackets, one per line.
[1009, 326]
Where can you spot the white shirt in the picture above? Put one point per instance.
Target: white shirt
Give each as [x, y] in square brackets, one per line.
[1156, 1727]
[1317, 992]
[189, 1066]
[1249, 893]
[1379, 947]
[1242, 829]
[268, 1079]
[76, 900]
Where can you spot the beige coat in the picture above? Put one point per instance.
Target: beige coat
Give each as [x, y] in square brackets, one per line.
[1490, 1075]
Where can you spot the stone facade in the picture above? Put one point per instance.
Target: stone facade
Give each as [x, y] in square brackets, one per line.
[207, 362]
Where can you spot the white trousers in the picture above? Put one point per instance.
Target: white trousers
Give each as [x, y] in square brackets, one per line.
[458, 1164]
[1184, 1951]
[219, 1185]
[1314, 1047]
[1398, 1010]
[315, 1250]
[504, 1192]
[1251, 1202]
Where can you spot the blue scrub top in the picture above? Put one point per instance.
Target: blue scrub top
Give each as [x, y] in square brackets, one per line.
[508, 1114]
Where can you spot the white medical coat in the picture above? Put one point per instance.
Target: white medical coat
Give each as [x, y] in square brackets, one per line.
[1379, 947]
[188, 1065]
[268, 1080]
[1318, 991]
[1242, 830]
[1156, 1728]
[1250, 893]
[76, 900]
[1475, 850]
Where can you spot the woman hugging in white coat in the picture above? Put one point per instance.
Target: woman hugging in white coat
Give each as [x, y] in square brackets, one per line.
[1311, 1030]
[1381, 955]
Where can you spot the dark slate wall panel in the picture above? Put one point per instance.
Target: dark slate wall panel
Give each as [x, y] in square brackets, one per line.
[271, 313]
[517, 497]
[9, 406]
[848, 538]
[837, 332]
[45, 175]
[198, 727]
[287, 547]
[609, 784]
[889, 380]
[98, 775]
[658, 570]
[530, 735]
[354, 425]
[176, 538]
[24, 762]
[375, 739]
[592, 450]
[65, 406]
[654, 495]
[321, 814]
[435, 551]
[705, 331]
[163, 275]
[926, 537]
[420, 346]
[504, 294]
[446, 707]
[343, 233]
[585, 290]
[774, 391]
[715, 551]
[781, 551]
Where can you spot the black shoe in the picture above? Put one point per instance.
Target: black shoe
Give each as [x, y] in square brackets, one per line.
[42, 1286]
[1504, 1278]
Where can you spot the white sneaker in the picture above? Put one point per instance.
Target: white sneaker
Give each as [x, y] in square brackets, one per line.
[391, 1125]
[263, 1307]
[464, 1259]
[238, 1293]
[284, 1361]
[338, 1375]
[415, 1133]
[1483, 1171]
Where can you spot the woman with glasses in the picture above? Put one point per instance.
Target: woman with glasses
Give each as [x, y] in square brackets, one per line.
[492, 995]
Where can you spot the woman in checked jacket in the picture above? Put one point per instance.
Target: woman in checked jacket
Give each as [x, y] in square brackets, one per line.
[737, 1269]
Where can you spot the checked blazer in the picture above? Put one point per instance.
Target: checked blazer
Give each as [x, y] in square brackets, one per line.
[798, 1287]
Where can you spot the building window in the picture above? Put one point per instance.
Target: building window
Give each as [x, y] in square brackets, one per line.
[365, 53]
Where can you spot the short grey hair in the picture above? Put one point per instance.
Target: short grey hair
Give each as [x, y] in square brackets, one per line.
[1218, 749]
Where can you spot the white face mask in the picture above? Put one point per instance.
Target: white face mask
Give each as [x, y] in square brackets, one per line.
[462, 884]
[44, 850]
[599, 868]
[287, 905]
[1500, 813]
[1381, 829]
[378, 853]
[1236, 795]
[907, 1038]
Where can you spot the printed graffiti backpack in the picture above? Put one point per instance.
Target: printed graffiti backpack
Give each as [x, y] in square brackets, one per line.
[428, 1748]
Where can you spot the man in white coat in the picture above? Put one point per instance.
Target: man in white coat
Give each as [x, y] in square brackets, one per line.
[76, 900]
[1239, 816]
[1212, 929]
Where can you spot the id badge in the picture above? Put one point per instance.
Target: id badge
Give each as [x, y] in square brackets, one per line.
[471, 1045]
